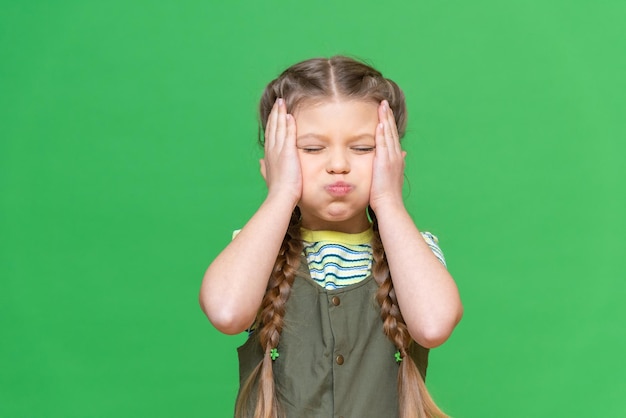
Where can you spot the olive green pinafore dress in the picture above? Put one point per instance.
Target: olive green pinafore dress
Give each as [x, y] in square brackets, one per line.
[334, 359]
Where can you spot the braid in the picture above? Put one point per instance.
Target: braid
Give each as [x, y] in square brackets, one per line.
[269, 324]
[413, 397]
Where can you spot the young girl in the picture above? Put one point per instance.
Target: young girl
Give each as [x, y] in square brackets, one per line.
[340, 292]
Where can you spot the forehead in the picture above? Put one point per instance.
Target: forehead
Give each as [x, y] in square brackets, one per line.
[323, 103]
[321, 116]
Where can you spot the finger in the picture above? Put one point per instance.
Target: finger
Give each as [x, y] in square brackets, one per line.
[384, 119]
[263, 169]
[391, 130]
[291, 131]
[270, 129]
[381, 144]
[281, 123]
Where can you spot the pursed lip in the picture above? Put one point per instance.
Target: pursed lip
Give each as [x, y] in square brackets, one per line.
[339, 188]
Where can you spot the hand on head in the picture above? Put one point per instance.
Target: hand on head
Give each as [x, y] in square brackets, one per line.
[280, 166]
[388, 171]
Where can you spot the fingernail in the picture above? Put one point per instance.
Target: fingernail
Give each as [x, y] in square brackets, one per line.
[280, 102]
[385, 104]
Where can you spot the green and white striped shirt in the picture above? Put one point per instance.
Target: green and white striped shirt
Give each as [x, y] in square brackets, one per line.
[338, 259]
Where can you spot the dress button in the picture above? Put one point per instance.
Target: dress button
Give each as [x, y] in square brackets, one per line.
[339, 359]
[335, 300]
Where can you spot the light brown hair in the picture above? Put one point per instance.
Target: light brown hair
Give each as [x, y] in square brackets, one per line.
[314, 80]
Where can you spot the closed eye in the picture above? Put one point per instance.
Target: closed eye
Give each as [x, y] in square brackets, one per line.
[363, 150]
[311, 150]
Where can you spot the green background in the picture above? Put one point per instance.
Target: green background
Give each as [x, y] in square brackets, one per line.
[128, 156]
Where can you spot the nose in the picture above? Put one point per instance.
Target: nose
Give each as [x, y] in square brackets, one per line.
[338, 162]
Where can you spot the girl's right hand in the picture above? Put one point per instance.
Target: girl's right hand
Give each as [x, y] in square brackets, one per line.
[281, 165]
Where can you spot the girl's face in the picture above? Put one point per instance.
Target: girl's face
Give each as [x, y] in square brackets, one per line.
[336, 145]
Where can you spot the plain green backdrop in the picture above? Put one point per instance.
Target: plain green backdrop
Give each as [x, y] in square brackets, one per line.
[128, 156]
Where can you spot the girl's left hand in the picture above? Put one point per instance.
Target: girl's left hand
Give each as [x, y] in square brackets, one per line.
[388, 170]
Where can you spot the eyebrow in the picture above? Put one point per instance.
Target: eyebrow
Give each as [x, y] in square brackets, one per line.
[324, 137]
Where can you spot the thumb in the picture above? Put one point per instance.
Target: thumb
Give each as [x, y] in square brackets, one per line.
[263, 169]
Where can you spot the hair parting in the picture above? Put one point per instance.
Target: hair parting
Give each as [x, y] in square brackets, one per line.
[413, 397]
[269, 325]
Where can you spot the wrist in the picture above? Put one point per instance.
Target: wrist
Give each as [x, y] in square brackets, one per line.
[282, 199]
[388, 206]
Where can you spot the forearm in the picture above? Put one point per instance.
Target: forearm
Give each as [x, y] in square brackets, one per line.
[235, 282]
[427, 295]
